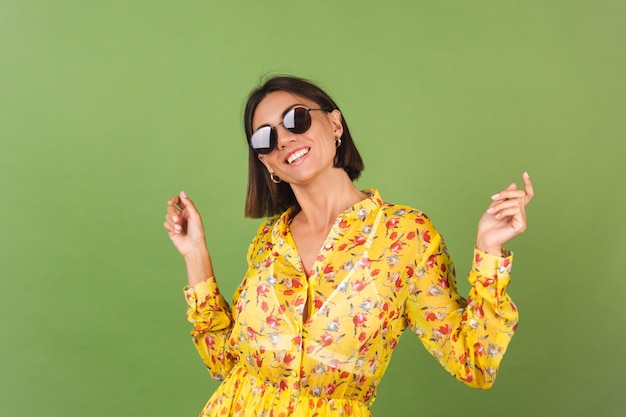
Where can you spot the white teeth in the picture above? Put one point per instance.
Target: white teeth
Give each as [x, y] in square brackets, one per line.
[297, 155]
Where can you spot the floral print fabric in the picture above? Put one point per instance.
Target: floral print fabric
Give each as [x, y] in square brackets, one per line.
[319, 346]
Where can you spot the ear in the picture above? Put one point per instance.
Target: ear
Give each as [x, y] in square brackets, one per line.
[335, 119]
[264, 162]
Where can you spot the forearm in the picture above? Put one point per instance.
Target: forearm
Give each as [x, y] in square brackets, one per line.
[199, 266]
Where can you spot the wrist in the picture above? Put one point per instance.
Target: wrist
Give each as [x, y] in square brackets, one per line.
[197, 254]
[199, 266]
[489, 249]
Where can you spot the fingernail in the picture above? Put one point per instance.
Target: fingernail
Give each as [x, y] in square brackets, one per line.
[175, 218]
[491, 210]
[184, 194]
[495, 196]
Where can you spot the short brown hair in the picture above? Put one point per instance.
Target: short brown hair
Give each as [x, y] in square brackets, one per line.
[265, 198]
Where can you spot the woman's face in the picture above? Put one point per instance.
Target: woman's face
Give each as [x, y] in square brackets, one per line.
[298, 158]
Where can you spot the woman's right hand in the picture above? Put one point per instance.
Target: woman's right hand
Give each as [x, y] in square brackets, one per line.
[184, 226]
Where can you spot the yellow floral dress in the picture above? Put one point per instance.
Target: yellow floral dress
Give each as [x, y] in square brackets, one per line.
[319, 346]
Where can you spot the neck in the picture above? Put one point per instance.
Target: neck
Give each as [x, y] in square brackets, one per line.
[322, 201]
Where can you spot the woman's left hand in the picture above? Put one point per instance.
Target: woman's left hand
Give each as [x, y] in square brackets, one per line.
[505, 217]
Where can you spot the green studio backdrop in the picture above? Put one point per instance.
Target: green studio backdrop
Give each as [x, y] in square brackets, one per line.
[108, 108]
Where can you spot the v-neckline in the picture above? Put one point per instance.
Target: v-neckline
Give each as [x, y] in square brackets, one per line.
[318, 254]
[287, 217]
[311, 278]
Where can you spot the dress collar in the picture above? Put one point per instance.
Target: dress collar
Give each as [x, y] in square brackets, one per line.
[361, 209]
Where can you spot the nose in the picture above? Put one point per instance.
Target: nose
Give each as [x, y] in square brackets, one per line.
[284, 136]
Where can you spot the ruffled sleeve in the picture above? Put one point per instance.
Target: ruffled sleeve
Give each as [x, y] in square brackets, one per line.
[211, 317]
[467, 336]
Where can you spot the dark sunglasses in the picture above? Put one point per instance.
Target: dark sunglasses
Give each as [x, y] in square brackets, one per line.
[296, 120]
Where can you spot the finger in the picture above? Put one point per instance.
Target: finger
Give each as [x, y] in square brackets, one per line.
[173, 202]
[187, 204]
[174, 215]
[173, 223]
[509, 194]
[171, 228]
[173, 211]
[528, 186]
[179, 203]
[173, 219]
[515, 216]
[513, 186]
[507, 212]
[498, 196]
[184, 198]
[498, 206]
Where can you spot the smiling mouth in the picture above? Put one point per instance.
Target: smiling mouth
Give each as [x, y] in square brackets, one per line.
[297, 155]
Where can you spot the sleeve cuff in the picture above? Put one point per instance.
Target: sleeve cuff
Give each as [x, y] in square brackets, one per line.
[205, 303]
[488, 268]
[200, 292]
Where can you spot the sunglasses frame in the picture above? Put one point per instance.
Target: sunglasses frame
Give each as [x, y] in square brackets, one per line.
[273, 134]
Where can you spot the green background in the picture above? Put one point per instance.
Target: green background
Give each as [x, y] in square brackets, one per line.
[107, 108]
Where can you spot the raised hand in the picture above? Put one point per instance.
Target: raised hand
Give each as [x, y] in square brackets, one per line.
[184, 227]
[505, 217]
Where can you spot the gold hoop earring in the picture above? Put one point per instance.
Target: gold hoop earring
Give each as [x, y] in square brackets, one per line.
[275, 179]
[338, 142]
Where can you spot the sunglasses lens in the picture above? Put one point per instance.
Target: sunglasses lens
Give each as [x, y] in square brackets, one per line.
[297, 120]
[261, 140]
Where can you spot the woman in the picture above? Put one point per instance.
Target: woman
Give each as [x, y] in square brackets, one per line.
[336, 274]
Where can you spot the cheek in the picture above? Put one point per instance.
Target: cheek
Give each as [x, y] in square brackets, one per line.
[266, 164]
[324, 132]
